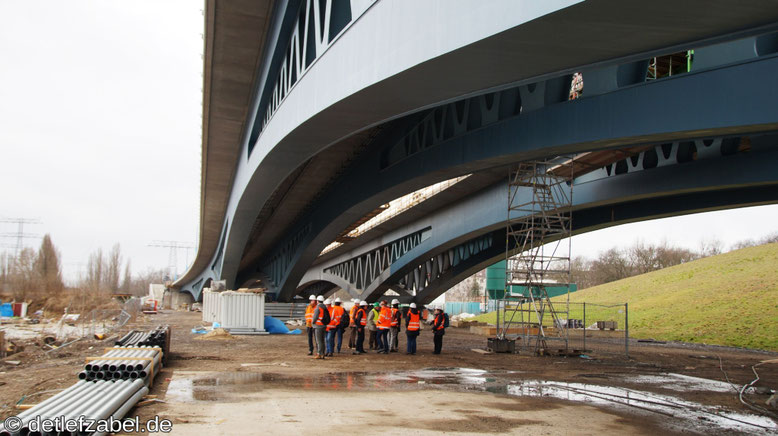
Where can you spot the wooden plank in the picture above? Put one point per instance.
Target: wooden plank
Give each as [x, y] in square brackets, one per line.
[2, 344]
[480, 351]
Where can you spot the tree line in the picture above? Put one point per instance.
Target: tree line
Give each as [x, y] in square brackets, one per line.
[640, 258]
[37, 274]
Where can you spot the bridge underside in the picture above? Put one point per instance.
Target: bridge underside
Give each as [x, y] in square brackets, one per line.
[681, 110]
[281, 216]
[428, 261]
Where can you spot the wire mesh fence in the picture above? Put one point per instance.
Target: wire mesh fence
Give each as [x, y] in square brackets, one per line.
[578, 327]
[599, 328]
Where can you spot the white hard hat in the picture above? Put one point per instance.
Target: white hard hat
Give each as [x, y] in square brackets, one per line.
[395, 301]
[312, 297]
[320, 298]
[413, 305]
[328, 301]
[337, 300]
[363, 303]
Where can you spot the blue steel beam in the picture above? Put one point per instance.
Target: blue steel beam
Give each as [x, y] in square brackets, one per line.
[746, 179]
[694, 105]
[607, 216]
[355, 86]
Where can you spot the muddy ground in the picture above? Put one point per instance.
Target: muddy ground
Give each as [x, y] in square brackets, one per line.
[285, 374]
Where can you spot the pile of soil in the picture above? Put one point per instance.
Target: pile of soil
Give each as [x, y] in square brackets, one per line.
[217, 335]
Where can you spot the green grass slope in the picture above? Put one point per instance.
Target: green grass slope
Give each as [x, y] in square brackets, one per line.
[729, 299]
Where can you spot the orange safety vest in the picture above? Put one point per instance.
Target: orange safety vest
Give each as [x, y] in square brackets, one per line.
[309, 314]
[322, 308]
[395, 321]
[384, 318]
[442, 322]
[363, 320]
[414, 323]
[352, 313]
[336, 314]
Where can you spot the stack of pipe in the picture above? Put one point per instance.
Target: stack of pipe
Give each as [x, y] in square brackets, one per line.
[96, 400]
[124, 364]
[153, 338]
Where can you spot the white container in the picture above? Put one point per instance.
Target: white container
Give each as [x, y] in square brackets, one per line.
[242, 311]
[211, 306]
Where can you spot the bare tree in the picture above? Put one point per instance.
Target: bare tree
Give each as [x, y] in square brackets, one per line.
[140, 285]
[47, 267]
[711, 247]
[94, 271]
[610, 266]
[24, 279]
[5, 271]
[668, 256]
[127, 279]
[745, 243]
[581, 272]
[643, 257]
[113, 269]
[769, 239]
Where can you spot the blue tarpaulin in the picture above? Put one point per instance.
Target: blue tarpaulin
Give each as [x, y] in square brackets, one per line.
[6, 310]
[277, 327]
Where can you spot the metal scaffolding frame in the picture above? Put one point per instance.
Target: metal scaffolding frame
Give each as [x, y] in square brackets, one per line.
[538, 246]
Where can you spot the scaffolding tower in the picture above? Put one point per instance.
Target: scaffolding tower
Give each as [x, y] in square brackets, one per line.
[540, 196]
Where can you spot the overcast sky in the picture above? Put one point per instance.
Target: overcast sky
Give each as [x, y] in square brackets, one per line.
[100, 110]
[100, 122]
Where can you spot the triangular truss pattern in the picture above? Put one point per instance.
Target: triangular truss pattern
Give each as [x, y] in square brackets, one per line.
[540, 195]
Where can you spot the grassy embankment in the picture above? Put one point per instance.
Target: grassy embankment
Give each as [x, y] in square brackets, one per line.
[729, 299]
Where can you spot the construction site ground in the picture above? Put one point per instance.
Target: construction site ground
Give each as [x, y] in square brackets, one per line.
[269, 385]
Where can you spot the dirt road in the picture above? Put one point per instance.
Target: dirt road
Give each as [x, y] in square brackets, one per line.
[231, 383]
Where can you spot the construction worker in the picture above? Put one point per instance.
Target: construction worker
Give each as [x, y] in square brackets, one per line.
[334, 329]
[360, 321]
[438, 329]
[384, 324]
[372, 320]
[309, 320]
[321, 317]
[352, 336]
[412, 328]
[394, 329]
[336, 314]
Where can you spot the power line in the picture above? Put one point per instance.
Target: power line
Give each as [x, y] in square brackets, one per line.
[19, 235]
[174, 246]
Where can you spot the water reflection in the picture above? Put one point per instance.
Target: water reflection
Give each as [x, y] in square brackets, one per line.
[229, 386]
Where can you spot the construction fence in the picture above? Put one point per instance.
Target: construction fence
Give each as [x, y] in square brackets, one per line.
[456, 308]
[585, 327]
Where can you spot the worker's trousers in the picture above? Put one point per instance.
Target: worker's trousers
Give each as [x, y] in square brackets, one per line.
[411, 347]
[319, 333]
[310, 339]
[438, 341]
[372, 339]
[382, 340]
[393, 338]
[352, 336]
[360, 341]
[330, 338]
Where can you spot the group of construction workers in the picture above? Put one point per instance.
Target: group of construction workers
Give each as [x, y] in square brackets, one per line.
[327, 320]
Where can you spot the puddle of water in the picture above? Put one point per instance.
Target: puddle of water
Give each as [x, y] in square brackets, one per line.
[684, 414]
[682, 383]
